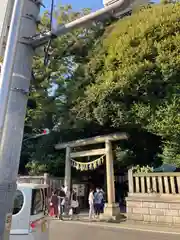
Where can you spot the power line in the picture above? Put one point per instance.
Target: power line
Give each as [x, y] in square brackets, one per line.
[46, 49]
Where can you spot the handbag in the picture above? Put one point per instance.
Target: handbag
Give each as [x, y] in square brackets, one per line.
[70, 212]
[74, 204]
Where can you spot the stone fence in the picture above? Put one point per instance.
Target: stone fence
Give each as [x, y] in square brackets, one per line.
[154, 197]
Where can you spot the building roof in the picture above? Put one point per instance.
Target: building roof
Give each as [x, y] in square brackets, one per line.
[122, 13]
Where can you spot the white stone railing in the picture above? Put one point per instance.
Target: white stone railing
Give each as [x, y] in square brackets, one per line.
[33, 179]
[149, 183]
[53, 182]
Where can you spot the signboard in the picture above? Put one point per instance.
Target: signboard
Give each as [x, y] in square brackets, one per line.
[80, 189]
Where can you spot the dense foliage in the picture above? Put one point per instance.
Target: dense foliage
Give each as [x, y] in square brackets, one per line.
[112, 76]
[134, 78]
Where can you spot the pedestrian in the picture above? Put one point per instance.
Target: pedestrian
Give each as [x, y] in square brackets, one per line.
[54, 202]
[98, 196]
[62, 196]
[74, 204]
[102, 201]
[91, 203]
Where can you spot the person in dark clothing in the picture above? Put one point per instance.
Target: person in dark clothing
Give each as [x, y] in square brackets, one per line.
[54, 204]
[98, 198]
[62, 197]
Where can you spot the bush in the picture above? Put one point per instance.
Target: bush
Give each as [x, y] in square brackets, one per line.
[144, 169]
[35, 168]
[135, 74]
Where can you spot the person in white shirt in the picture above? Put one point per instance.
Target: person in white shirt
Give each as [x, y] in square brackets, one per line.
[91, 203]
[65, 188]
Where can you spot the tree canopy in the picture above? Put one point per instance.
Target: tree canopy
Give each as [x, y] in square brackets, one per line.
[113, 76]
[133, 77]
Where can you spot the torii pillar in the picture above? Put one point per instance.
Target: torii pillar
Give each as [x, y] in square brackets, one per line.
[111, 207]
[67, 179]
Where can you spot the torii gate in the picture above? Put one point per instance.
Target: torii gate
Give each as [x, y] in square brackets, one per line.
[111, 208]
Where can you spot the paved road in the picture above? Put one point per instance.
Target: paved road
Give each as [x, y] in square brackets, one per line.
[74, 231]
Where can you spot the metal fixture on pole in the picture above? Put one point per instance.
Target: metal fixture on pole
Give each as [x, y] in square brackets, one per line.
[13, 128]
[46, 131]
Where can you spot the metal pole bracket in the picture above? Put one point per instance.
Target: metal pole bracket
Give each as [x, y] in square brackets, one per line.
[23, 91]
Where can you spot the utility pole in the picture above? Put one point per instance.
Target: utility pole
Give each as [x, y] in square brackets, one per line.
[12, 134]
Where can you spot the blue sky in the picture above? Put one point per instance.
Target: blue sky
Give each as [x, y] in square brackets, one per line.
[77, 4]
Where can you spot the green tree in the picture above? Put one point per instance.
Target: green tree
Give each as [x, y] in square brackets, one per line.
[52, 90]
[133, 77]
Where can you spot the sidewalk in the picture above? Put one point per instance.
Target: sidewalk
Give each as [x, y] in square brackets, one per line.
[135, 226]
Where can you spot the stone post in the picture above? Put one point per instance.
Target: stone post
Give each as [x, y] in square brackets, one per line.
[110, 173]
[111, 208]
[130, 180]
[46, 178]
[46, 181]
[67, 178]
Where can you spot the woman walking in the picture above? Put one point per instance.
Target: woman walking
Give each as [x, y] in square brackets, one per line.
[54, 202]
[74, 204]
[91, 204]
[62, 196]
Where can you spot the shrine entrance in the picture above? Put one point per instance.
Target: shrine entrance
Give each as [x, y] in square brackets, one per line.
[96, 157]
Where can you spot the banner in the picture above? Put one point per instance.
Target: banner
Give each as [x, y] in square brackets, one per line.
[85, 166]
